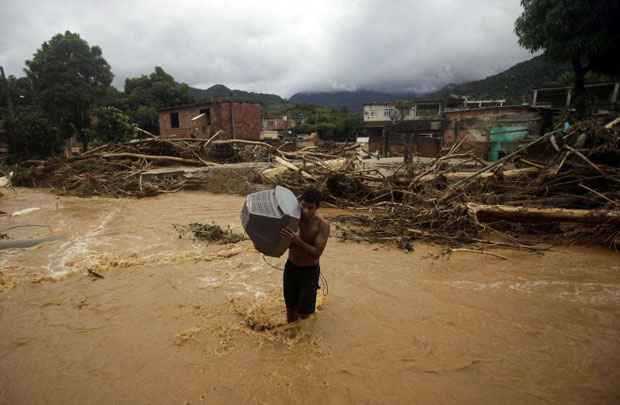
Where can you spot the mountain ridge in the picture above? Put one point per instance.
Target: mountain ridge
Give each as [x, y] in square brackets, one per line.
[513, 84]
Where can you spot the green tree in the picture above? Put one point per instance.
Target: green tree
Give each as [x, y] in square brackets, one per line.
[20, 92]
[147, 94]
[582, 32]
[35, 136]
[110, 125]
[146, 117]
[68, 75]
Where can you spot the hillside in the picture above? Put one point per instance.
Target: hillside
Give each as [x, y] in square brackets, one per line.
[514, 84]
[353, 100]
[219, 92]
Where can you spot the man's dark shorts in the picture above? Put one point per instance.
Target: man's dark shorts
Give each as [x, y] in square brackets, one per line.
[300, 286]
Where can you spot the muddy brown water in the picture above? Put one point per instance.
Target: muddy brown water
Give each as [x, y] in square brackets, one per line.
[177, 322]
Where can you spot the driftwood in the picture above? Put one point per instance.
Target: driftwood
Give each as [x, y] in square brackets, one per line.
[492, 166]
[291, 166]
[145, 132]
[208, 142]
[480, 252]
[508, 174]
[524, 214]
[524, 195]
[153, 157]
[272, 174]
[242, 141]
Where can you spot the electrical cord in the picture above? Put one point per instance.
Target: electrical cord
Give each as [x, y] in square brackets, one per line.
[322, 280]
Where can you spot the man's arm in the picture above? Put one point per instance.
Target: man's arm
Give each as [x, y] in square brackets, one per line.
[320, 241]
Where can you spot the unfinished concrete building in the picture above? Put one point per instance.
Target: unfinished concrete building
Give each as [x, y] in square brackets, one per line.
[389, 129]
[238, 120]
[601, 96]
[493, 131]
[489, 132]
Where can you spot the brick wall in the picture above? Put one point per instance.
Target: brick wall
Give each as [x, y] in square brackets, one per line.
[245, 123]
[185, 122]
[475, 126]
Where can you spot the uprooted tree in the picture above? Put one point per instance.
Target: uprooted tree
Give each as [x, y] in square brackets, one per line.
[582, 32]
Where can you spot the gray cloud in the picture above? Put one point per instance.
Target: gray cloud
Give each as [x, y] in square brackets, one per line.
[279, 46]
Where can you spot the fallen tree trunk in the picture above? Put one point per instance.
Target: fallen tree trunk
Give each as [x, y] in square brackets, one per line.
[486, 213]
[291, 166]
[456, 176]
[493, 165]
[154, 157]
[243, 142]
[272, 173]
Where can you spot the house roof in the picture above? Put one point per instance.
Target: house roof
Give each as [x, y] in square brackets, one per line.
[408, 101]
[597, 84]
[205, 104]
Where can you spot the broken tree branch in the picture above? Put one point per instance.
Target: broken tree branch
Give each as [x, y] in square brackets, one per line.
[502, 160]
[525, 214]
[153, 157]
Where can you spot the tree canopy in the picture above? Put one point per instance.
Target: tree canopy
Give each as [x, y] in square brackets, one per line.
[145, 95]
[68, 75]
[109, 124]
[584, 33]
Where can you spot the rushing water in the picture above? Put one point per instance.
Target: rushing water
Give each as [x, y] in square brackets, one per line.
[174, 321]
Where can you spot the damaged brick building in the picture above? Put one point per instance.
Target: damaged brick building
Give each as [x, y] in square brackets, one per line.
[238, 120]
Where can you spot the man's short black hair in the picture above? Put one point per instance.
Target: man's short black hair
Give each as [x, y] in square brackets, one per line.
[312, 196]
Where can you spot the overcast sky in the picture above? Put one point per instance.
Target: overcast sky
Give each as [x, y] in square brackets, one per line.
[276, 46]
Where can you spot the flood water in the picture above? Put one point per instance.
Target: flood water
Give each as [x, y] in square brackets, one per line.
[175, 321]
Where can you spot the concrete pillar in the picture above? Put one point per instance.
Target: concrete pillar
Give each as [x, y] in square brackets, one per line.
[386, 143]
[408, 158]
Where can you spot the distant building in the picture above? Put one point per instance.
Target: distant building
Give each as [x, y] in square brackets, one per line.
[491, 132]
[388, 132]
[238, 120]
[456, 102]
[278, 124]
[602, 96]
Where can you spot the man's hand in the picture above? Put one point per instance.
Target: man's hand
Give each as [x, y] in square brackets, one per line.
[289, 235]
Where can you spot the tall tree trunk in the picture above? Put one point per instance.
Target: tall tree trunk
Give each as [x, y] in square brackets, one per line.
[579, 89]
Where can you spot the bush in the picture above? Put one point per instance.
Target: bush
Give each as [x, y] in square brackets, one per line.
[34, 136]
[110, 125]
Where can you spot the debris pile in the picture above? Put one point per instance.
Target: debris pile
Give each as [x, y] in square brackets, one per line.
[154, 165]
[209, 233]
[574, 191]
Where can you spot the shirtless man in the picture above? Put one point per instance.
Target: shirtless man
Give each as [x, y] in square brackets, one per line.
[301, 272]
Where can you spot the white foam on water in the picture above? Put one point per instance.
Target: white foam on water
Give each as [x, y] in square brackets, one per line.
[75, 248]
[25, 211]
[209, 282]
[236, 280]
[585, 292]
